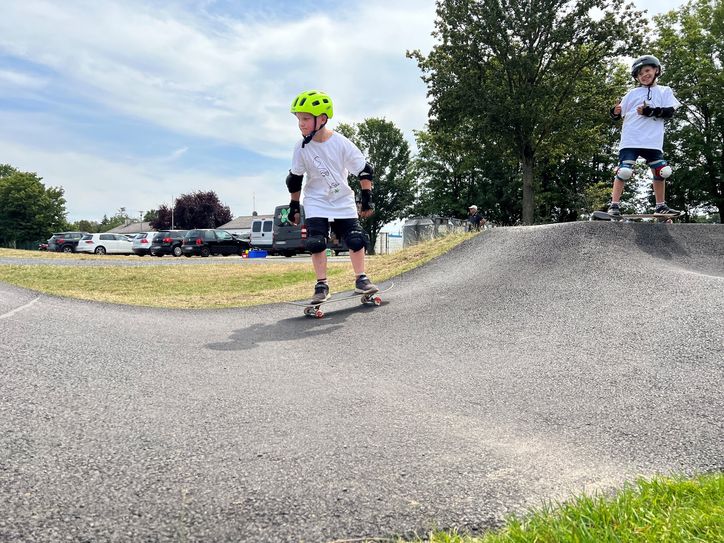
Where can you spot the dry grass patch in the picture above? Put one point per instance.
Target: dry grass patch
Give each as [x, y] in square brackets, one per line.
[207, 285]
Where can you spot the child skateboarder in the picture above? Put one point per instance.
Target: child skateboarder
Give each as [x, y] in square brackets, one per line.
[644, 110]
[326, 157]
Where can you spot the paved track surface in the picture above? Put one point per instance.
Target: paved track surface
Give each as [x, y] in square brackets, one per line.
[527, 364]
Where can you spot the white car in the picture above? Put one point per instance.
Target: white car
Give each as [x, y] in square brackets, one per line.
[101, 244]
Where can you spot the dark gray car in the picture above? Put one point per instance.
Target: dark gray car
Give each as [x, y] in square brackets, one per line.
[65, 242]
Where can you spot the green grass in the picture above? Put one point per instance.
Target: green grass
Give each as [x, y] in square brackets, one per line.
[660, 510]
[231, 283]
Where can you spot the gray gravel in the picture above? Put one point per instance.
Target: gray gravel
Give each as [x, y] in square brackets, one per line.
[527, 364]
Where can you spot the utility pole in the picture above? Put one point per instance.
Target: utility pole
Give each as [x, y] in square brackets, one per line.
[172, 206]
[140, 224]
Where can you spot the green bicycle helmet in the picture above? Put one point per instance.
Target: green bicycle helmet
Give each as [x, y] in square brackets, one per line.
[646, 60]
[313, 102]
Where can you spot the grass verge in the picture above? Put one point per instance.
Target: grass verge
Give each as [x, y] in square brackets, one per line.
[660, 510]
[202, 286]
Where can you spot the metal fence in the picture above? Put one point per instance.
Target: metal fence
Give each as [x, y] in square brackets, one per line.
[419, 229]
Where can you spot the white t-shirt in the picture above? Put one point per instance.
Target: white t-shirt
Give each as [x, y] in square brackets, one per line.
[326, 192]
[642, 132]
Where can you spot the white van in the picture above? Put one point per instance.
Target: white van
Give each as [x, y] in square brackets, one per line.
[262, 234]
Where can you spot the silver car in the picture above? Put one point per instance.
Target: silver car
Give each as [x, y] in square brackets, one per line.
[142, 243]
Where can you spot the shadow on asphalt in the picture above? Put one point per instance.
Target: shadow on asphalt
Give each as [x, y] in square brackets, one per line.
[656, 241]
[289, 329]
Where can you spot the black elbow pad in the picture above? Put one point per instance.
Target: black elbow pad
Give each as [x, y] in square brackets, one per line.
[367, 172]
[665, 112]
[294, 182]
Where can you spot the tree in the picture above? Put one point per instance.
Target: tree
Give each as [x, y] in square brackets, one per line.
[691, 48]
[200, 210]
[455, 171]
[162, 218]
[514, 69]
[121, 217]
[386, 149]
[29, 211]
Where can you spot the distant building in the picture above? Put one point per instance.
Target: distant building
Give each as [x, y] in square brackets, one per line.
[242, 225]
[132, 228]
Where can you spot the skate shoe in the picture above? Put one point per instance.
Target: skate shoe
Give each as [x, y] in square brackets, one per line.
[364, 286]
[321, 293]
[662, 210]
[615, 212]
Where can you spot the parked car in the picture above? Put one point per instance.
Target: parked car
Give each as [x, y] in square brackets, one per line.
[43, 246]
[106, 243]
[65, 242]
[205, 242]
[142, 243]
[167, 242]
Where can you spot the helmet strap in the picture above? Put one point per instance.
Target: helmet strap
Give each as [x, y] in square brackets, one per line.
[313, 133]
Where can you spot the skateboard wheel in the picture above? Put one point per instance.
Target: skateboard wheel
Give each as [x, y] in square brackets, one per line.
[319, 314]
[377, 300]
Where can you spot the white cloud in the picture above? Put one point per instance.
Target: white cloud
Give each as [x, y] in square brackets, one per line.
[95, 186]
[20, 80]
[232, 82]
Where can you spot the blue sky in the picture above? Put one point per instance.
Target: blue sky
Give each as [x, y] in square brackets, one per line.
[127, 103]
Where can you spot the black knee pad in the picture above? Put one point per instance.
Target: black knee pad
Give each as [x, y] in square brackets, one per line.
[356, 240]
[316, 244]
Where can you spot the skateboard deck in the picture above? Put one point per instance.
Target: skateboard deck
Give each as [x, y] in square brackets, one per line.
[603, 216]
[313, 309]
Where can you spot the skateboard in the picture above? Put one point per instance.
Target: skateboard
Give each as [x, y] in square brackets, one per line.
[313, 309]
[603, 216]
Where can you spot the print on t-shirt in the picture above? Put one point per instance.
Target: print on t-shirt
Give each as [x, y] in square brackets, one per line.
[335, 189]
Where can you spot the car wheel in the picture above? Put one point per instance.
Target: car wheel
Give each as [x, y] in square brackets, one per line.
[67, 249]
[100, 250]
[205, 251]
[177, 251]
[157, 254]
[187, 255]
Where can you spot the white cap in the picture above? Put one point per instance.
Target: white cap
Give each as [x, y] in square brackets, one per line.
[473, 207]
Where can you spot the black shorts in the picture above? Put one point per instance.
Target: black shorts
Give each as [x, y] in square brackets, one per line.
[317, 226]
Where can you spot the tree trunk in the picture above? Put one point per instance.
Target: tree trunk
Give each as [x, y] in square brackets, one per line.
[527, 166]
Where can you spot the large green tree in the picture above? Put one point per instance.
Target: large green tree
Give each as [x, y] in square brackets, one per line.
[29, 211]
[690, 45]
[514, 70]
[385, 147]
[456, 170]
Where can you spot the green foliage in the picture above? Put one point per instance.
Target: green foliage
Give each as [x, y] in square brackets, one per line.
[454, 170]
[389, 153]
[691, 48]
[29, 211]
[661, 510]
[120, 218]
[525, 78]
